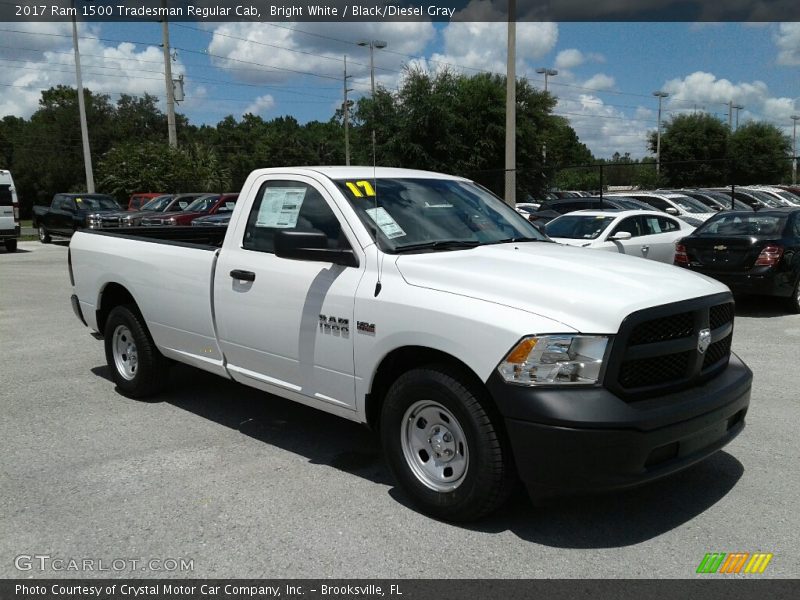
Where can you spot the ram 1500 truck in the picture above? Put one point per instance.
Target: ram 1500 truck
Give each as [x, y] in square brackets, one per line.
[422, 305]
[69, 212]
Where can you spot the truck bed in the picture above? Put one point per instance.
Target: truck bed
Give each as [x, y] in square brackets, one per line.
[198, 237]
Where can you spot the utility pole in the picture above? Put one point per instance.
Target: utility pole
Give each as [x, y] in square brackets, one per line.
[794, 118]
[511, 107]
[173, 138]
[346, 112]
[660, 95]
[87, 151]
[547, 73]
[730, 115]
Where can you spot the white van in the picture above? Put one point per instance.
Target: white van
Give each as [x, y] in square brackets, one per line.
[9, 211]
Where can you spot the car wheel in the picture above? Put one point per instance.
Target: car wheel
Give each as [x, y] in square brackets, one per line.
[11, 245]
[444, 445]
[138, 368]
[44, 236]
[794, 301]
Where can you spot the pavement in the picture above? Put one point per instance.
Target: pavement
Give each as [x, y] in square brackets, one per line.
[244, 484]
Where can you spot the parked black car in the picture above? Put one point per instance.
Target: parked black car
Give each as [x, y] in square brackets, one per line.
[750, 252]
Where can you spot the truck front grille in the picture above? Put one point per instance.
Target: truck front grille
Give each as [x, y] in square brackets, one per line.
[658, 350]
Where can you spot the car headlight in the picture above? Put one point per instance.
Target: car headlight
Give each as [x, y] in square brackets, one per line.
[172, 221]
[555, 359]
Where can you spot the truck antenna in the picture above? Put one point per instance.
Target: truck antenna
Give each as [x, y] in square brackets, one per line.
[378, 261]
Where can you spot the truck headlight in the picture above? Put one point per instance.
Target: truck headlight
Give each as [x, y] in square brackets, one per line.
[555, 359]
[172, 221]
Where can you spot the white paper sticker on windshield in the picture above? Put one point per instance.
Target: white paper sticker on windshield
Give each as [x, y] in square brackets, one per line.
[384, 220]
[280, 207]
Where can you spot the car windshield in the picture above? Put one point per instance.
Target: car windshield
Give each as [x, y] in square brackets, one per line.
[791, 199]
[97, 202]
[158, 203]
[724, 200]
[736, 224]
[578, 227]
[432, 214]
[764, 198]
[631, 204]
[202, 204]
[690, 205]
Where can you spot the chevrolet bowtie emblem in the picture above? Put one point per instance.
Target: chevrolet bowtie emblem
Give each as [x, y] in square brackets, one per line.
[720, 247]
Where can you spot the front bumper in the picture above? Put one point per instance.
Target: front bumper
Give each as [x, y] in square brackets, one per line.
[572, 441]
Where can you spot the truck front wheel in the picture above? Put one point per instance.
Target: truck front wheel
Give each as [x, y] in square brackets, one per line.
[44, 236]
[11, 245]
[444, 446]
[138, 368]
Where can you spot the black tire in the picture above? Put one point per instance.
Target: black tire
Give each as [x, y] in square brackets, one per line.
[794, 300]
[11, 245]
[44, 235]
[144, 371]
[490, 475]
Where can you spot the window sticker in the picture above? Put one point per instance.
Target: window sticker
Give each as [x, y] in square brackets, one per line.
[360, 188]
[280, 207]
[384, 220]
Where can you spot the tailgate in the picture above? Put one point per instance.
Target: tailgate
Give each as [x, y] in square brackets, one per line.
[735, 253]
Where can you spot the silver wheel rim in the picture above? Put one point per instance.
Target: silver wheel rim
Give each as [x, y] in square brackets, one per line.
[126, 357]
[42, 234]
[434, 446]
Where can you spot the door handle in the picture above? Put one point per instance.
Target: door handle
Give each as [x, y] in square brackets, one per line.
[243, 275]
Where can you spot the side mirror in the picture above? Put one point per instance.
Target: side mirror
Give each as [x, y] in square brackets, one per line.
[622, 235]
[311, 245]
[671, 211]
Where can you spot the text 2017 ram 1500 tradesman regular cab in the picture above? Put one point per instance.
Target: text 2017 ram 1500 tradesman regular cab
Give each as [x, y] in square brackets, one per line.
[422, 305]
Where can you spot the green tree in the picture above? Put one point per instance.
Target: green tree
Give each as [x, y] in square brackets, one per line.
[759, 153]
[694, 150]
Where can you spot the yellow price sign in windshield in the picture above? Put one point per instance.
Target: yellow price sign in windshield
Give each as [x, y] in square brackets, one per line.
[358, 186]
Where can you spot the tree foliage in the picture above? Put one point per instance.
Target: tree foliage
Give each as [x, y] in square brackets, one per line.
[758, 154]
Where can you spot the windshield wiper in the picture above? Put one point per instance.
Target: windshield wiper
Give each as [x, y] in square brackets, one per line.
[515, 239]
[438, 245]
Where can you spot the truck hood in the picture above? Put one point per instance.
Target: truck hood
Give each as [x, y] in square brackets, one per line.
[589, 291]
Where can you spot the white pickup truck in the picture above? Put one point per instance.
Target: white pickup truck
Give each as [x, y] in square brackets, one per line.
[422, 305]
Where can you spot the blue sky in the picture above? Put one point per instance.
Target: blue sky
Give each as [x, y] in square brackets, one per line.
[607, 71]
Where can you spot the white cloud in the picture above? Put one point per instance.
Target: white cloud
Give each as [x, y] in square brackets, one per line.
[788, 42]
[572, 57]
[46, 61]
[260, 105]
[600, 82]
[273, 53]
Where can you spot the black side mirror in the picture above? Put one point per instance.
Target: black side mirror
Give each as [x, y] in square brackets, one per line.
[311, 245]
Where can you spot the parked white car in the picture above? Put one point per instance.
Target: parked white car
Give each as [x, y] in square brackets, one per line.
[688, 209]
[648, 234]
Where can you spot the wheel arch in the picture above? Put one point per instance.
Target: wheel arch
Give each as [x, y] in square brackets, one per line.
[112, 294]
[401, 360]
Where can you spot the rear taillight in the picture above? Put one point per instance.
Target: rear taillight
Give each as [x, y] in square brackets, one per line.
[16, 213]
[681, 258]
[770, 255]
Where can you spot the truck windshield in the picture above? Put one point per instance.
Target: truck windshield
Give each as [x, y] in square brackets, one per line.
[434, 214]
[157, 204]
[97, 202]
[202, 204]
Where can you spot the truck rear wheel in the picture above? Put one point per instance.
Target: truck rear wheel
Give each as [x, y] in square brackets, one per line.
[446, 450]
[138, 368]
[11, 245]
[44, 236]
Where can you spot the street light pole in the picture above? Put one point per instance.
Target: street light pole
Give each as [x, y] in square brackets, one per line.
[511, 106]
[660, 95]
[372, 44]
[794, 118]
[346, 112]
[173, 138]
[737, 108]
[547, 73]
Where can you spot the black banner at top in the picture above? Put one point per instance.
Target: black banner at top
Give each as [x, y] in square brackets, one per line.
[400, 10]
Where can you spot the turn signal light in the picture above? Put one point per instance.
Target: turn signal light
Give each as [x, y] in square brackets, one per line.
[681, 258]
[770, 255]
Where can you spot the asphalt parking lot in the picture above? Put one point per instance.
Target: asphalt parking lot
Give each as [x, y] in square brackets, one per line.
[248, 485]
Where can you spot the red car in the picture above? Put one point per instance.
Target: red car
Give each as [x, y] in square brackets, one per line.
[140, 199]
[210, 204]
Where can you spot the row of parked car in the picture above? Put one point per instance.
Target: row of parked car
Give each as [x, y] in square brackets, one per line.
[69, 212]
[749, 240]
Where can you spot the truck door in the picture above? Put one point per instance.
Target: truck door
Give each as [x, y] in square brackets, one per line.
[282, 323]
